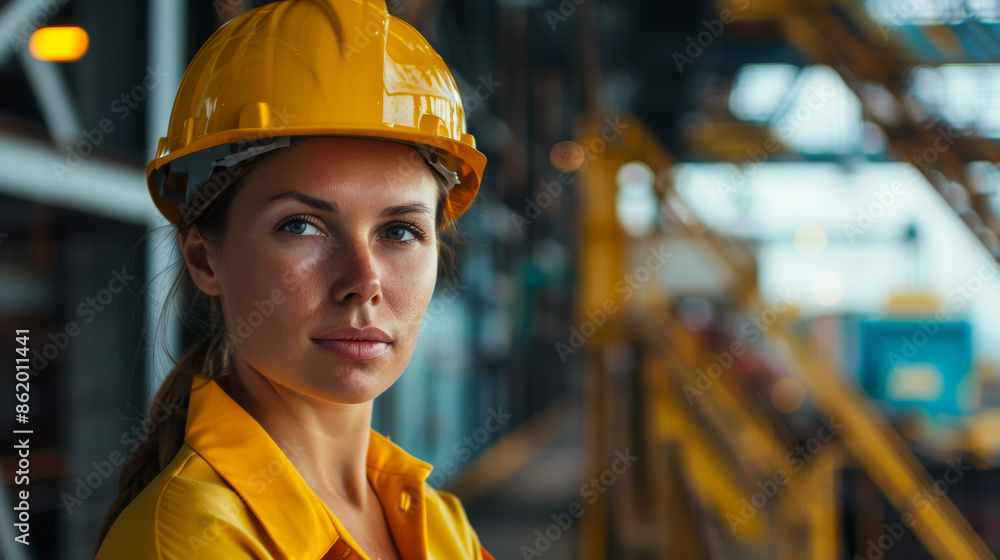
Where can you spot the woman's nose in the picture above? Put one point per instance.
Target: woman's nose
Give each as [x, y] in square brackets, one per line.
[356, 273]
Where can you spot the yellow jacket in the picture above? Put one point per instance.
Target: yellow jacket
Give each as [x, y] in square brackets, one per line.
[232, 493]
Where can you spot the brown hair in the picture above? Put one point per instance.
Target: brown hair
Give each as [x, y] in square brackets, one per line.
[210, 356]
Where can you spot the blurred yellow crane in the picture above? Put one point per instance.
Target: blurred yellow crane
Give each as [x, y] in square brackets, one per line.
[715, 450]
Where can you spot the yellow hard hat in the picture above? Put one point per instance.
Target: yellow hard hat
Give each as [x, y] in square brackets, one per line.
[311, 67]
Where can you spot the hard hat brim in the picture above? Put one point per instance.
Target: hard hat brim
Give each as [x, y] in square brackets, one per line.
[463, 158]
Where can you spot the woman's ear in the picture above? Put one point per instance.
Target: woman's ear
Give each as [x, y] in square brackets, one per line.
[200, 261]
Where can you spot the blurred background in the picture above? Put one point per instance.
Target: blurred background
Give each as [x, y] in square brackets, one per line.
[729, 289]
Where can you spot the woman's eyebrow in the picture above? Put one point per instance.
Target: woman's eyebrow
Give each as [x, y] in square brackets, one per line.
[306, 199]
[407, 208]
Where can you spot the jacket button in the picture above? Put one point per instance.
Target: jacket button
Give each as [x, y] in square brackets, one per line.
[405, 500]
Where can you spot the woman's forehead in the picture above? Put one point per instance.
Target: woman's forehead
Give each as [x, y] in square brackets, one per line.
[339, 169]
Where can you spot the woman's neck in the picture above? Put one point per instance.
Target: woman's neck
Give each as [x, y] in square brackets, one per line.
[326, 442]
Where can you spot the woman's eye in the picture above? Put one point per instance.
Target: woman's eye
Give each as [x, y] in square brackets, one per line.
[397, 233]
[300, 227]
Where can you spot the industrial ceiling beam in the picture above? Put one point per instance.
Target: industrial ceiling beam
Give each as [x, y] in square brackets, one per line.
[18, 20]
[54, 99]
[36, 171]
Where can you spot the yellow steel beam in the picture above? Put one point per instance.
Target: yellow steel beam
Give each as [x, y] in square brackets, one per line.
[823, 491]
[725, 403]
[715, 480]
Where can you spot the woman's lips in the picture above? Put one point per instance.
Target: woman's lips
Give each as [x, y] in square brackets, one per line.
[354, 349]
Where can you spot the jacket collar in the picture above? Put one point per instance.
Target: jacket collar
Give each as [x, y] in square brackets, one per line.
[295, 518]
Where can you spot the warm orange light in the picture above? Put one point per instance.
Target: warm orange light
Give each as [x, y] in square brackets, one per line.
[59, 44]
[788, 395]
[567, 156]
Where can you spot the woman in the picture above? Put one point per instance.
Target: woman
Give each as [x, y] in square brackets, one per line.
[316, 155]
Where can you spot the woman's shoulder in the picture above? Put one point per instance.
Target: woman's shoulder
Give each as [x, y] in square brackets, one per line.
[187, 511]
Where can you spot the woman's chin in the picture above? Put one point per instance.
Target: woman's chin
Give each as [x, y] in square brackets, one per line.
[348, 386]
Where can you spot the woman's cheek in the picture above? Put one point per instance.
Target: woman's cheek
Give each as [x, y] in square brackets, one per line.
[415, 295]
[262, 290]
[297, 268]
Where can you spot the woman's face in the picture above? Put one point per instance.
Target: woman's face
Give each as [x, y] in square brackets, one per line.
[326, 234]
